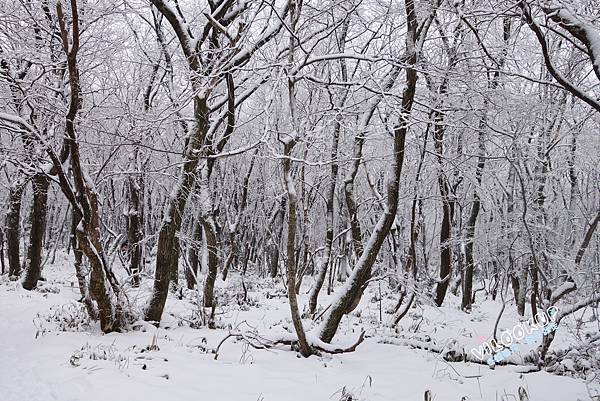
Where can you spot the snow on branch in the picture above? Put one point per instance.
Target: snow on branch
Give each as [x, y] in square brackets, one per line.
[560, 78]
[258, 341]
[584, 31]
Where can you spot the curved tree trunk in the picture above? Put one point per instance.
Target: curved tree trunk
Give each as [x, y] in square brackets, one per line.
[105, 289]
[416, 225]
[305, 349]
[355, 284]
[321, 273]
[446, 189]
[167, 250]
[362, 271]
[329, 197]
[233, 228]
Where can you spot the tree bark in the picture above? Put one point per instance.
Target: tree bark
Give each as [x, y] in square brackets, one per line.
[38, 217]
[2, 251]
[361, 273]
[167, 249]
[329, 205]
[210, 234]
[191, 274]
[80, 270]
[305, 349]
[467, 296]
[105, 289]
[274, 237]
[13, 228]
[587, 238]
[445, 248]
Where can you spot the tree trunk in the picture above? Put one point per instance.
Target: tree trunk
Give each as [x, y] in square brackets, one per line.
[105, 289]
[329, 203]
[103, 285]
[2, 251]
[167, 249]
[273, 259]
[411, 266]
[522, 290]
[362, 271]
[587, 238]
[134, 230]
[191, 274]
[445, 248]
[38, 217]
[467, 281]
[210, 235]
[274, 237]
[80, 271]
[13, 228]
[233, 228]
[305, 349]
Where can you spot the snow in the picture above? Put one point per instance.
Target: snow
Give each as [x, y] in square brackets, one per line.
[592, 34]
[594, 38]
[85, 364]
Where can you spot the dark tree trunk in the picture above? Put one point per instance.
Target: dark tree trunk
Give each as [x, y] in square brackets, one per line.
[2, 250]
[273, 259]
[274, 238]
[514, 282]
[467, 281]
[587, 238]
[134, 230]
[522, 289]
[534, 288]
[447, 203]
[305, 349]
[103, 285]
[80, 270]
[38, 217]
[105, 289]
[445, 248]
[13, 229]
[168, 251]
[320, 277]
[166, 257]
[362, 271]
[191, 273]
[210, 236]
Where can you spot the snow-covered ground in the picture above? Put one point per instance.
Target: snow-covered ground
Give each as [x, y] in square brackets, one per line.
[41, 361]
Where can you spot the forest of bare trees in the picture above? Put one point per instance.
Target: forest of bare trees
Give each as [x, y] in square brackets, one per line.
[446, 148]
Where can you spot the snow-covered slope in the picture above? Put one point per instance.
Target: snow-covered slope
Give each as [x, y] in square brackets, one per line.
[40, 362]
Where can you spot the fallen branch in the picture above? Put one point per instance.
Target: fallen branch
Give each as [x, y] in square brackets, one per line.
[256, 341]
[435, 348]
